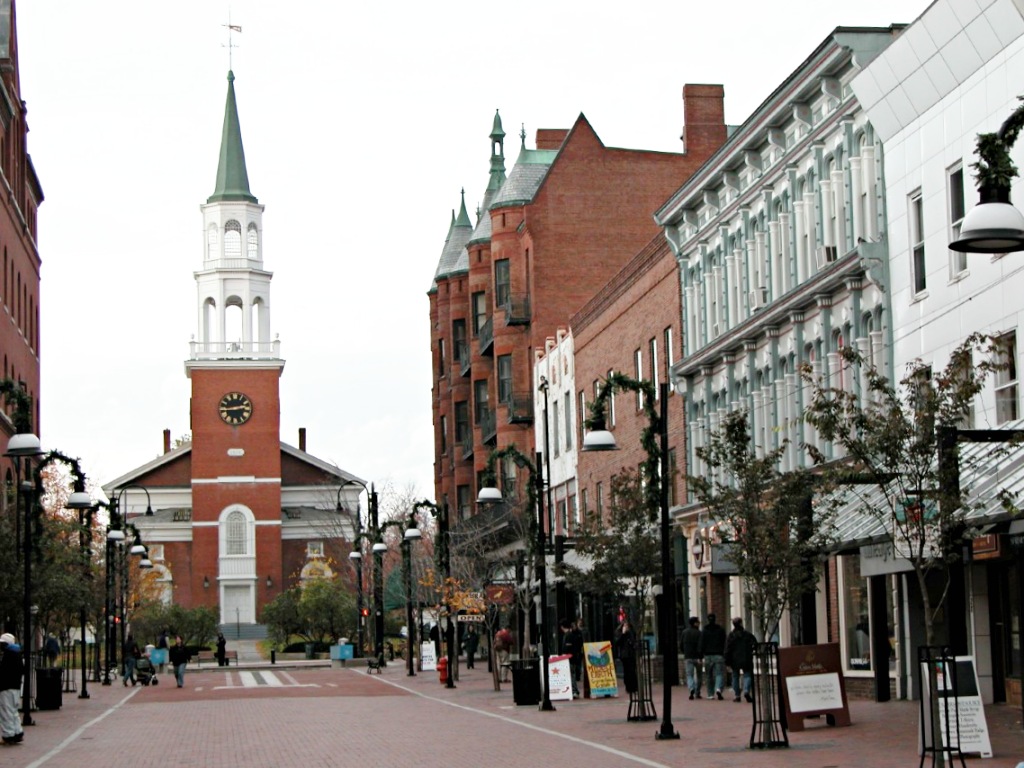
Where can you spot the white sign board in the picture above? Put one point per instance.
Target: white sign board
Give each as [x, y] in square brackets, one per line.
[968, 710]
[428, 657]
[814, 693]
[560, 678]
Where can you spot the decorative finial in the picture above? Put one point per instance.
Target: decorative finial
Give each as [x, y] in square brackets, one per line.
[522, 135]
[231, 28]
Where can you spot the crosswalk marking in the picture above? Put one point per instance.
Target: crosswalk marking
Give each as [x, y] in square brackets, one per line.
[261, 678]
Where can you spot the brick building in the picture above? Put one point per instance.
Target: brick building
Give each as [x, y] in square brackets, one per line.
[238, 516]
[550, 236]
[19, 333]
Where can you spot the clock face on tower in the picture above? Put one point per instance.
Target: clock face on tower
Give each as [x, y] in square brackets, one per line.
[235, 408]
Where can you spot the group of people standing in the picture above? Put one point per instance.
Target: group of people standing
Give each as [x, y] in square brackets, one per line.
[710, 651]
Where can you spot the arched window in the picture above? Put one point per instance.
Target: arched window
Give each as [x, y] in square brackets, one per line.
[253, 242]
[232, 240]
[235, 539]
[211, 242]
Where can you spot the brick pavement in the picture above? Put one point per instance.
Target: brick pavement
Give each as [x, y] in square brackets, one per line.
[318, 717]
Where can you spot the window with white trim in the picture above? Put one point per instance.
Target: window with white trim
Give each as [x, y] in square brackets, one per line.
[236, 538]
[955, 195]
[232, 240]
[252, 242]
[1007, 398]
[915, 211]
[314, 549]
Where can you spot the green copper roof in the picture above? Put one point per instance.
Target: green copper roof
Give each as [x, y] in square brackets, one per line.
[463, 220]
[232, 179]
[496, 129]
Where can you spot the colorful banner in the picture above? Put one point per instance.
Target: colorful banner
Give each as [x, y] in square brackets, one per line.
[560, 678]
[600, 669]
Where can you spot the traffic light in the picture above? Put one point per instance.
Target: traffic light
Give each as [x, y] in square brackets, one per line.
[365, 612]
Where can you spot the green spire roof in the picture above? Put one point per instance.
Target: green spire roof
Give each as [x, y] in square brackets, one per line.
[463, 220]
[232, 179]
[496, 130]
[497, 155]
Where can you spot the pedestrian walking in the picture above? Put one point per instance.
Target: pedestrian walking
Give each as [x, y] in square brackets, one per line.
[739, 656]
[572, 646]
[131, 654]
[502, 649]
[471, 642]
[10, 689]
[51, 650]
[164, 646]
[693, 657]
[625, 649]
[221, 650]
[712, 643]
[179, 658]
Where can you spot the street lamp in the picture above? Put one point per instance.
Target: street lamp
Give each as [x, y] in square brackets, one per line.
[412, 533]
[657, 470]
[357, 560]
[379, 547]
[80, 501]
[994, 225]
[489, 494]
[114, 537]
[25, 445]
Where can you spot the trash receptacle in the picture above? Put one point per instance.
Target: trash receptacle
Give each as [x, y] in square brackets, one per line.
[525, 681]
[310, 648]
[48, 688]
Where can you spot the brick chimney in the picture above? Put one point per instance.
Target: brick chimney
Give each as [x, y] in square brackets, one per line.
[551, 138]
[703, 119]
[302, 439]
[167, 441]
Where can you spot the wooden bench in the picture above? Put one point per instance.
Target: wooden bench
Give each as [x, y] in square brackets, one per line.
[375, 664]
[211, 657]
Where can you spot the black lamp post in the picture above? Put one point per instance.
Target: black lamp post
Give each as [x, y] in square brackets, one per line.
[25, 445]
[489, 494]
[412, 533]
[80, 501]
[374, 534]
[114, 536]
[357, 560]
[600, 439]
[994, 225]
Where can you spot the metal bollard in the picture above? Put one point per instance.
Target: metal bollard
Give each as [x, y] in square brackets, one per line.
[273, 656]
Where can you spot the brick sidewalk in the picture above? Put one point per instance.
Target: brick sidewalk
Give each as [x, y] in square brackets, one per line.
[345, 716]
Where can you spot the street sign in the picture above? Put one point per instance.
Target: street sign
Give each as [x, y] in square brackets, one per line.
[470, 617]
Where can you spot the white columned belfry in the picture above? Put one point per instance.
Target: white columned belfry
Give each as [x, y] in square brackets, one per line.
[233, 287]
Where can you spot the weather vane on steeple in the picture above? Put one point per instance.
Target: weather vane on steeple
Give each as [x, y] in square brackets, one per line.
[231, 28]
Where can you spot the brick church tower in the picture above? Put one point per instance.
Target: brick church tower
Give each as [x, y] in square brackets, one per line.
[235, 412]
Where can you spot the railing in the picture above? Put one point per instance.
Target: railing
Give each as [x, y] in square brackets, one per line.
[463, 356]
[233, 264]
[235, 350]
[520, 408]
[517, 310]
[489, 428]
[467, 445]
[486, 336]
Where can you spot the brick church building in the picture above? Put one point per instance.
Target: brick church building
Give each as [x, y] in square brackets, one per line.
[235, 516]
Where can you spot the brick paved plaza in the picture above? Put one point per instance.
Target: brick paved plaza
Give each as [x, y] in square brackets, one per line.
[315, 716]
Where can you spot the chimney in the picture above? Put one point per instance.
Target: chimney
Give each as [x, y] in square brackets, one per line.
[167, 441]
[703, 119]
[551, 138]
[302, 439]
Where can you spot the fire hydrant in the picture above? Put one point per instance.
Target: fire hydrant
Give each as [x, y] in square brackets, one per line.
[442, 669]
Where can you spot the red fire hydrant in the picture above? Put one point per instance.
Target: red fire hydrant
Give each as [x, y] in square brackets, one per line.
[442, 669]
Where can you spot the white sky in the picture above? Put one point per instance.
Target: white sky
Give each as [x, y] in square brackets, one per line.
[361, 122]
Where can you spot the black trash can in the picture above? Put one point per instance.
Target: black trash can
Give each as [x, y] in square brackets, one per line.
[525, 681]
[49, 683]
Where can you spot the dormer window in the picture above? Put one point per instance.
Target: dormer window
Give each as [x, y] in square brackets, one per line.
[232, 240]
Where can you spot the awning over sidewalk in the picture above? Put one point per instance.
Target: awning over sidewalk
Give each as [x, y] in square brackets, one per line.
[988, 472]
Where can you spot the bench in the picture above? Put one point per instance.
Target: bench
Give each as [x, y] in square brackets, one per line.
[211, 657]
[375, 664]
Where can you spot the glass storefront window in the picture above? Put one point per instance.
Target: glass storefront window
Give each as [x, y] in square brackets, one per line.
[857, 623]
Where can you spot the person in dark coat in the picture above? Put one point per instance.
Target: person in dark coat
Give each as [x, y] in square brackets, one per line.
[572, 646]
[11, 670]
[692, 654]
[179, 658]
[222, 645]
[131, 654]
[625, 649]
[470, 642]
[712, 644]
[739, 655]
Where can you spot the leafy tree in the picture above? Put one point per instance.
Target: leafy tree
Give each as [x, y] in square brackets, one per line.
[765, 515]
[624, 552]
[892, 435]
[326, 610]
[282, 616]
[197, 626]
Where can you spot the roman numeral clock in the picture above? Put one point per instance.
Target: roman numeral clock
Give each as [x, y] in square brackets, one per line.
[235, 408]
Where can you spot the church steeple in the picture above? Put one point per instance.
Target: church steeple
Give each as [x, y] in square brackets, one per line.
[232, 178]
[497, 155]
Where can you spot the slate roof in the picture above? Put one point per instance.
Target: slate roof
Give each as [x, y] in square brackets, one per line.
[525, 179]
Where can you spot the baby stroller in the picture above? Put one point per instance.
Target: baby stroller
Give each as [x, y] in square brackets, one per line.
[145, 672]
